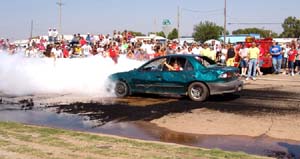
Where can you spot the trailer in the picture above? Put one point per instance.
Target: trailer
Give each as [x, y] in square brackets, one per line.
[265, 45]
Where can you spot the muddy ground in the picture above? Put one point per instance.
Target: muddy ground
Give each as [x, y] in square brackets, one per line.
[269, 106]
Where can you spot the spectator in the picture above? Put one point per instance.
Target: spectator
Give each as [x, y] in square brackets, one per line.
[206, 51]
[82, 41]
[230, 56]
[66, 52]
[224, 53]
[253, 53]
[57, 51]
[50, 35]
[75, 40]
[55, 35]
[88, 39]
[275, 51]
[285, 52]
[260, 60]
[243, 53]
[291, 59]
[114, 52]
[86, 50]
[297, 62]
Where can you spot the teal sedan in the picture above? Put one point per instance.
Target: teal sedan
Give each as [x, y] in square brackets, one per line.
[198, 77]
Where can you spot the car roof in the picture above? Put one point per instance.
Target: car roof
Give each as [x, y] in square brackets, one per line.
[181, 55]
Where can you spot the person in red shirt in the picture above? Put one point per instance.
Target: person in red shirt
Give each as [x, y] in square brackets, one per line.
[291, 59]
[114, 52]
[82, 41]
[41, 47]
[65, 52]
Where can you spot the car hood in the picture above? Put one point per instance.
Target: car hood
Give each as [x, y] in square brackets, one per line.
[120, 75]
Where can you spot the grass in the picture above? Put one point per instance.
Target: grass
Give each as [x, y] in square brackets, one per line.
[57, 143]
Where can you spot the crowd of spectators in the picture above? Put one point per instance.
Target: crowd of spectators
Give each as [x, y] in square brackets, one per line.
[285, 59]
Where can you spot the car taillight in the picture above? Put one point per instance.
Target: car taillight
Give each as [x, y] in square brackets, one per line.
[226, 75]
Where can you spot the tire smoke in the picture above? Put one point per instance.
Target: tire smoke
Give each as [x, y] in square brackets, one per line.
[20, 75]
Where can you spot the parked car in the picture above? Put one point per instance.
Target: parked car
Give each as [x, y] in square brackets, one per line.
[198, 78]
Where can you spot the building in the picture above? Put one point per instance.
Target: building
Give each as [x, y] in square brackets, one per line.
[238, 38]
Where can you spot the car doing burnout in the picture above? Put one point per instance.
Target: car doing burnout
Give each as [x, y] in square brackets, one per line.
[198, 78]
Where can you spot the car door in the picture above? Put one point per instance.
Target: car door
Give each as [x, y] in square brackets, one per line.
[149, 77]
[175, 82]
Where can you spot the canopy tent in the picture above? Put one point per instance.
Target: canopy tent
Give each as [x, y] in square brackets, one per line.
[211, 41]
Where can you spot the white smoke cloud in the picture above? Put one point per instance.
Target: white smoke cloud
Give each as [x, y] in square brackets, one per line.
[20, 75]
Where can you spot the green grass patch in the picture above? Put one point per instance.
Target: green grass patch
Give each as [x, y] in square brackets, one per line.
[99, 146]
[23, 149]
[4, 143]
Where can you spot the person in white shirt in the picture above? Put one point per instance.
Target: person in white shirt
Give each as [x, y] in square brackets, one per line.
[243, 53]
[224, 53]
[196, 49]
[57, 51]
[55, 34]
[86, 49]
[50, 35]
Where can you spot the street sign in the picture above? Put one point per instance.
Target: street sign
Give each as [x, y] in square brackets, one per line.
[166, 27]
[166, 22]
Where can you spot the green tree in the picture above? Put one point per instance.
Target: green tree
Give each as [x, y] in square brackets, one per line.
[263, 33]
[206, 31]
[291, 28]
[162, 34]
[173, 34]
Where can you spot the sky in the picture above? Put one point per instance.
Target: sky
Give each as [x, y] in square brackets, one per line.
[104, 16]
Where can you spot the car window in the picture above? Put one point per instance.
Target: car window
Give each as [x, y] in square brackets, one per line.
[156, 65]
[179, 61]
[188, 66]
[205, 61]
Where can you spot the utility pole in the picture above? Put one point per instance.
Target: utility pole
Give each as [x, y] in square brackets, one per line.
[31, 29]
[225, 21]
[154, 25]
[178, 23]
[59, 13]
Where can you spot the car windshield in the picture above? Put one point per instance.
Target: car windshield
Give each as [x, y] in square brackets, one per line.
[205, 61]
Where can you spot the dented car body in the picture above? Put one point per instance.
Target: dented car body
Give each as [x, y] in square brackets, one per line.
[198, 78]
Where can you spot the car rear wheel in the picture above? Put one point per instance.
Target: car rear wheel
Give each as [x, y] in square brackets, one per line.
[198, 91]
[121, 89]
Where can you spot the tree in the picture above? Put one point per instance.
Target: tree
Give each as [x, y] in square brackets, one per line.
[173, 34]
[162, 34]
[207, 30]
[291, 28]
[263, 33]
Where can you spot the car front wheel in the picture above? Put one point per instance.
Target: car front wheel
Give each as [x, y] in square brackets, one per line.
[121, 89]
[198, 91]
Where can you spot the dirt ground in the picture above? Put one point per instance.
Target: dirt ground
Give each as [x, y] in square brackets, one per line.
[268, 106]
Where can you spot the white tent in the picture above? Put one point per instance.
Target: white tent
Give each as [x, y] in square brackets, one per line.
[211, 41]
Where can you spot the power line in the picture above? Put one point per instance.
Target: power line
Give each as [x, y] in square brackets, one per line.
[225, 21]
[255, 23]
